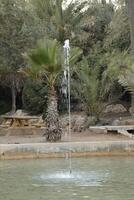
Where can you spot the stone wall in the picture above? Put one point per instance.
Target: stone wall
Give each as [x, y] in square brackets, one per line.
[17, 151]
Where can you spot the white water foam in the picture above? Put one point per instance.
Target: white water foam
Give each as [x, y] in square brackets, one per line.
[79, 178]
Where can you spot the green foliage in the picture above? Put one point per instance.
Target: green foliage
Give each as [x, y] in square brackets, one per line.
[118, 32]
[127, 79]
[61, 23]
[94, 25]
[101, 32]
[117, 64]
[17, 33]
[128, 82]
[35, 97]
[12, 40]
[15, 23]
[102, 16]
[45, 62]
[90, 90]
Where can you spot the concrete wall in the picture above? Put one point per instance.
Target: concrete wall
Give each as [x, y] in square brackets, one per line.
[39, 150]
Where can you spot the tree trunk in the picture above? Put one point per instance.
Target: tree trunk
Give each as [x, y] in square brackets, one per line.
[13, 91]
[53, 128]
[131, 18]
[103, 2]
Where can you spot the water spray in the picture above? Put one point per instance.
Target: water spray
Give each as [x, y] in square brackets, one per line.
[67, 91]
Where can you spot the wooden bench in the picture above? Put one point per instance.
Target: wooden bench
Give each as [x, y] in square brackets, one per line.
[119, 129]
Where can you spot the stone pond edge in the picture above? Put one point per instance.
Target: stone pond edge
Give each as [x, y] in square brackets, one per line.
[78, 149]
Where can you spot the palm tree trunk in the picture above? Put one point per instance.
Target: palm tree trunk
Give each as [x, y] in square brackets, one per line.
[53, 128]
[13, 91]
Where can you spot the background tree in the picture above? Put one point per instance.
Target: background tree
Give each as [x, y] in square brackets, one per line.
[14, 81]
[35, 93]
[93, 90]
[118, 31]
[62, 21]
[99, 28]
[17, 35]
[131, 17]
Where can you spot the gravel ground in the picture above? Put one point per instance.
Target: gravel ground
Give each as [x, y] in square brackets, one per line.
[84, 136]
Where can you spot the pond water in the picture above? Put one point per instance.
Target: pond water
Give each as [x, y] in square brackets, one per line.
[91, 178]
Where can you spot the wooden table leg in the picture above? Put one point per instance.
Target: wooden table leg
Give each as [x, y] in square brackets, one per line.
[16, 123]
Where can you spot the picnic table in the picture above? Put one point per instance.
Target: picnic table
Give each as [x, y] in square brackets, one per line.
[18, 121]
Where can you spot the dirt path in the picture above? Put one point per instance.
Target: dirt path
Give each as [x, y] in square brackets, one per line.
[84, 136]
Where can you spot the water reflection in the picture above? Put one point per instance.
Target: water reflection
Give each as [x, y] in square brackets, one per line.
[92, 178]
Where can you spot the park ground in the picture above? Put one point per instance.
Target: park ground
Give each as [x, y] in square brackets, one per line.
[87, 135]
[83, 136]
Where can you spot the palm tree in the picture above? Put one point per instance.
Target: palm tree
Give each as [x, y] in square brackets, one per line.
[127, 80]
[119, 72]
[62, 20]
[90, 90]
[46, 64]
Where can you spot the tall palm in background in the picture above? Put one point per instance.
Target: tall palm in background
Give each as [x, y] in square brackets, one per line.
[62, 20]
[46, 65]
[89, 91]
[93, 90]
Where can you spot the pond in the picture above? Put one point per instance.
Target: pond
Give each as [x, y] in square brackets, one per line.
[97, 178]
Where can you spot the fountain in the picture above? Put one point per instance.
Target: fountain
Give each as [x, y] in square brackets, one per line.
[66, 83]
[91, 178]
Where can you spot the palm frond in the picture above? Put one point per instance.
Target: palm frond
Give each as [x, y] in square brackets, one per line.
[75, 53]
[45, 61]
[127, 80]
